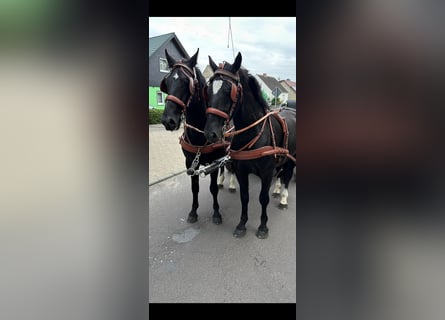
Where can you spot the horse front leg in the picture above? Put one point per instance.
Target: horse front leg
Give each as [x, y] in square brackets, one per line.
[221, 178]
[286, 177]
[217, 219]
[277, 189]
[263, 231]
[232, 187]
[193, 216]
[243, 181]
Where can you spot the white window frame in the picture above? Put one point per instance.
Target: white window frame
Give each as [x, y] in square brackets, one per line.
[166, 65]
[162, 98]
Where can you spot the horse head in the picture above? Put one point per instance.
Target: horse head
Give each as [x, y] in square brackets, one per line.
[181, 86]
[223, 93]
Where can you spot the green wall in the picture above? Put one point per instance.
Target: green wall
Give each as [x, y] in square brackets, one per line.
[152, 101]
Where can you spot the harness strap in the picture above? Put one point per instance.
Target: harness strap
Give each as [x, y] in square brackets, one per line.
[258, 153]
[186, 125]
[203, 149]
[226, 73]
[186, 67]
[255, 139]
[218, 113]
[242, 154]
[234, 133]
[176, 100]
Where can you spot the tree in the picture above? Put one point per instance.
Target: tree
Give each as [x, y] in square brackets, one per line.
[273, 101]
[265, 96]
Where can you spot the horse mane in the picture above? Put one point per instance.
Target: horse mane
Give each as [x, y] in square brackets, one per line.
[197, 116]
[200, 76]
[246, 78]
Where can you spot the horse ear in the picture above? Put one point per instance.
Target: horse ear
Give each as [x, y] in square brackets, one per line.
[212, 64]
[170, 60]
[237, 64]
[194, 59]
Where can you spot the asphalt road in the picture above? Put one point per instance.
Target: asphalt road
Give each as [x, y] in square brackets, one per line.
[203, 262]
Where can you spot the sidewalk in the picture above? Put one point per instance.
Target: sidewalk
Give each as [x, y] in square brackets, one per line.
[165, 154]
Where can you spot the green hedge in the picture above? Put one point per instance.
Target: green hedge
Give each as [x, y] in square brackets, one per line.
[154, 116]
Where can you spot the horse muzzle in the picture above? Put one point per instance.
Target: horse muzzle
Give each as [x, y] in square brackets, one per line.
[170, 123]
[212, 136]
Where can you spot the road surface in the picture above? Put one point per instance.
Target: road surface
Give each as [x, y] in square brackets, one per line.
[203, 262]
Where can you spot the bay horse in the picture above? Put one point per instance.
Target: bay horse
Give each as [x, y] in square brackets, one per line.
[263, 140]
[185, 102]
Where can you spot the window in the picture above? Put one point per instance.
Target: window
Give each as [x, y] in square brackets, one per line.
[160, 97]
[163, 66]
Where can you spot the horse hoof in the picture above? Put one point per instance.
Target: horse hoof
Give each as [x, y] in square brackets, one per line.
[239, 233]
[217, 220]
[232, 190]
[282, 206]
[221, 186]
[192, 219]
[275, 195]
[262, 234]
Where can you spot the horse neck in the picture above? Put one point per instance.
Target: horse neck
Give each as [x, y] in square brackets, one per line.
[247, 112]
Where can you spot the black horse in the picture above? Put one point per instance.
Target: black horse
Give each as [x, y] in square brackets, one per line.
[184, 85]
[263, 140]
[228, 166]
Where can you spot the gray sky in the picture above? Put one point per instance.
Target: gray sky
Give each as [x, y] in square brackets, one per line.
[267, 45]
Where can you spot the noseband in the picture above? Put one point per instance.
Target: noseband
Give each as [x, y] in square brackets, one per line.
[193, 83]
[235, 92]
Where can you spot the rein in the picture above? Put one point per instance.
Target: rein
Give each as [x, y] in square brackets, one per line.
[185, 143]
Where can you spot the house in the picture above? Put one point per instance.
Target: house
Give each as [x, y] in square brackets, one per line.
[291, 88]
[269, 84]
[158, 66]
[207, 73]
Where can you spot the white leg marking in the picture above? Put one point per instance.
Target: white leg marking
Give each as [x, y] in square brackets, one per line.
[221, 179]
[232, 181]
[277, 189]
[284, 196]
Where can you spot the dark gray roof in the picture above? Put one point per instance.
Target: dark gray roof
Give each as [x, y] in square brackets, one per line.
[155, 43]
[271, 82]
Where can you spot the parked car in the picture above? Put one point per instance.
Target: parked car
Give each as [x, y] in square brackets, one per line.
[289, 104]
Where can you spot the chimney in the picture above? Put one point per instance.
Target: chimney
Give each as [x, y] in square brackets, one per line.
[264, 74]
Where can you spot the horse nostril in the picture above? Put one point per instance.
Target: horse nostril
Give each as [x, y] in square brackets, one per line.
[211, 136]
[169, 123]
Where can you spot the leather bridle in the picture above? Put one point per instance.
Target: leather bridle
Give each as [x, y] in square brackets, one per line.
[193, 85]
[236, 91]
[194, 90]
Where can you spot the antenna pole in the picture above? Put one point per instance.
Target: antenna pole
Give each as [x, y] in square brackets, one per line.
[231, 36]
